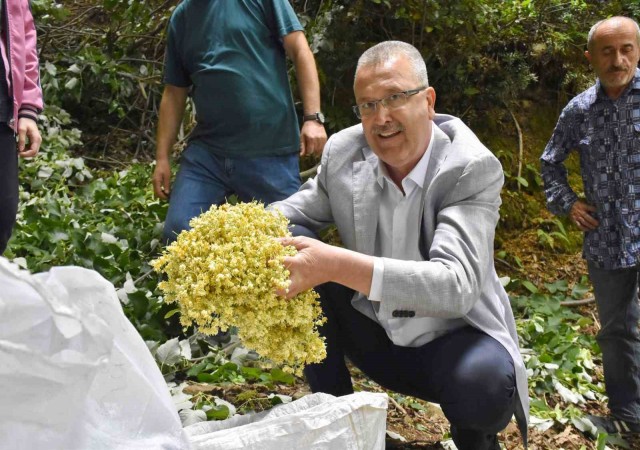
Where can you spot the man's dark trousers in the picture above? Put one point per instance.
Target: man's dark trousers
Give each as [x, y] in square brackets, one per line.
[8, 184]
[468, 373]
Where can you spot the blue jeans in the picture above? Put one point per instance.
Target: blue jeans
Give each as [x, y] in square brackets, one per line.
[470, 374]
[205, 179]
[616, 293]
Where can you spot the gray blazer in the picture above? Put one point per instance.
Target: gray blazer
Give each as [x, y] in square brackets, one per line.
[460, 214]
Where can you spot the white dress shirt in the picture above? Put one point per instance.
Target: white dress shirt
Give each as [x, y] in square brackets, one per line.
[398, 237]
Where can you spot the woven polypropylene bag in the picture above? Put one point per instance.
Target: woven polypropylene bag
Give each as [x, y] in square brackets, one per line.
[315, 422]
[74, 372]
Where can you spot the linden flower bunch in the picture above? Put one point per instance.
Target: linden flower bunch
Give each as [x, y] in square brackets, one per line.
[225, 272]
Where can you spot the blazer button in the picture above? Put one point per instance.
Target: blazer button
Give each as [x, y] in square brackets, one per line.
[411, 313]
[395, 313]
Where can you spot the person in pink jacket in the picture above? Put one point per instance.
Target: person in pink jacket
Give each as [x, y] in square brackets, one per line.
[20, 103]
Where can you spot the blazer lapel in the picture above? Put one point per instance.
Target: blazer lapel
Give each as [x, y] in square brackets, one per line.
[438, 155]
[366, 202]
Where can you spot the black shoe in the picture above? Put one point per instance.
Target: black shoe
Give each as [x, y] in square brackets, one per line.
[611, 425]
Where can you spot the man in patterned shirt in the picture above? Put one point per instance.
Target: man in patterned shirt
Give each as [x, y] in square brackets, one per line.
[603, 125]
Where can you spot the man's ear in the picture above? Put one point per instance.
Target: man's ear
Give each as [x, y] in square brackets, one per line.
[587, 55]
[431, 99]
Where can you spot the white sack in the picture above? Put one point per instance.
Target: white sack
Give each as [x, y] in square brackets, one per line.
[74, 373]
[315, 422]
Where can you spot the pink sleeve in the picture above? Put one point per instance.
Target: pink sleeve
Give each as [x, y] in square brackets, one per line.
[32, 94]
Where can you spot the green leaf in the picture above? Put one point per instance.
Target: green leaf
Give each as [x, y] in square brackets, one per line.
[559, 285]
[196, 369]
[579, 290]
[530, 286]
[278, 376]
[171, 313]
[71, 84]
[539, 405]
[251, 373]
[206, 378]
[417, 406]
[218, 412]
[50, 68]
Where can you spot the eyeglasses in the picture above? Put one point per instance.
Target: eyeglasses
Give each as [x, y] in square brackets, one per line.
[393, 101]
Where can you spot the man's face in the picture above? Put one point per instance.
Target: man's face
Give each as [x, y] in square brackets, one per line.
[615, 55]
[398, 136]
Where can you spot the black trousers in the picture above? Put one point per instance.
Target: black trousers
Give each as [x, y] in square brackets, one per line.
[467, 372]
[8, 184]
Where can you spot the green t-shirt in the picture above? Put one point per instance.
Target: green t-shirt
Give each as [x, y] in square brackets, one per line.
[231, 52]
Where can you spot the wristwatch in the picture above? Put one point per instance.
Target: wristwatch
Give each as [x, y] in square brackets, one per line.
[319, 117]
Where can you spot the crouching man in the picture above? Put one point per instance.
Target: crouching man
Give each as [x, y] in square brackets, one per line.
[413, 299]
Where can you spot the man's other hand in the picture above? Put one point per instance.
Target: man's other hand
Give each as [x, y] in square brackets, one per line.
[581, 214]
[162, 179]
[28, 133]
[312, 138]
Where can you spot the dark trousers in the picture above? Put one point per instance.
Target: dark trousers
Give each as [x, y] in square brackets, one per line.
[616, 293]
[8, 184]
[468, 373]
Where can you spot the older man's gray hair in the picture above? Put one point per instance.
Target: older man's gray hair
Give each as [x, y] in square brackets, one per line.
[595, 27]
[387, 50]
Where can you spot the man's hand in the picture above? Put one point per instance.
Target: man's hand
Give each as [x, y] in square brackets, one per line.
[28, 133]
[317, 263]
[312, 138]
[162, 179]
[172, 106]
[580, 213]
[310, 267]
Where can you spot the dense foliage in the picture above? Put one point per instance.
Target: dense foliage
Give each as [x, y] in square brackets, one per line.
[103, 58]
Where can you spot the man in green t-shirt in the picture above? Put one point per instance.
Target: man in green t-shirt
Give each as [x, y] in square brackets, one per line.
[231, 56]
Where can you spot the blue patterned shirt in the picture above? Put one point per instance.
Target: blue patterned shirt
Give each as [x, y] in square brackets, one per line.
[606, 134]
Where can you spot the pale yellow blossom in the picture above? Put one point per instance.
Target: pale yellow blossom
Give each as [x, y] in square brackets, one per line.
[225, 271]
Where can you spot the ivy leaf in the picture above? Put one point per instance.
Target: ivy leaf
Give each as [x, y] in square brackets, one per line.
[277, 399]
[583, 424]
[540, 424]
[196, 369]
[108, 238]
[50, 69]
[530, 286]
[74, 68]
[559, 285]
[71, 84]
[189, 416]
[171, 313]
[169, 353]
[218, 412]
[279, 376]
[579, 290]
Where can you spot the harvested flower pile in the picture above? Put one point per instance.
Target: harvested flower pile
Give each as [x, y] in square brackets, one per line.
[225, 272]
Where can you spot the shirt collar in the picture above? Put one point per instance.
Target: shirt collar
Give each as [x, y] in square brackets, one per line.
[417, 174]
[634, 84]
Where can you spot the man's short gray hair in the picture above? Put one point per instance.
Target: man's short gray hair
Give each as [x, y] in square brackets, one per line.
[595, 27]
[387, 50]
